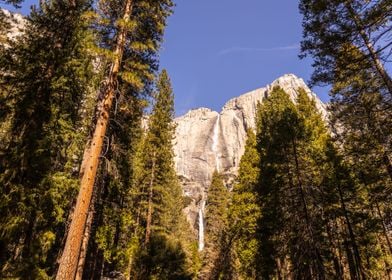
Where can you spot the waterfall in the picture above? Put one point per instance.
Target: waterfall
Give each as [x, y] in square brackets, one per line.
[202, 205]
[201, 225]
[215, 140]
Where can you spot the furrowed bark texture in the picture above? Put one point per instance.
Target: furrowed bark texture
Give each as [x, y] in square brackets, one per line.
[70, 257]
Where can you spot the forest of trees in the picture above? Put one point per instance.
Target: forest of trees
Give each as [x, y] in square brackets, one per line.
[88, 183]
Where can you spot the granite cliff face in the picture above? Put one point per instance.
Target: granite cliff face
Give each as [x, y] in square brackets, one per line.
[206, 140]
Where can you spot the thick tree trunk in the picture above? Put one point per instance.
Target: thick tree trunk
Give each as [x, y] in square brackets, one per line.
[86, 238]
[149, 211]
[372, 52]
[94, 263]
[70, 258]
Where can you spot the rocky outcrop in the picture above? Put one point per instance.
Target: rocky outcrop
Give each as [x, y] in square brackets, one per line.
[206, 140]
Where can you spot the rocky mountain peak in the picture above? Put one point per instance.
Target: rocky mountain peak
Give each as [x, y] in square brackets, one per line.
[206, 140]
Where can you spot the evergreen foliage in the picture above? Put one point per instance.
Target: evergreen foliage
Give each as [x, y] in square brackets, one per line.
[157, 196]
[349, 41]
[362, 120]
[329, 26]
[241, 241]
[112, 242]
[315, 221]
[216, 222]
[309, 202]
[51, 73]
[287, 226]
[112, 232]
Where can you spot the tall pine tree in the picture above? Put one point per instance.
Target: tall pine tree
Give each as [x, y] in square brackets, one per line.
[215, 226]
[242, 244]
[119, 21]
[158, 198]
[360, 114]
[50, 69]
[291, 233]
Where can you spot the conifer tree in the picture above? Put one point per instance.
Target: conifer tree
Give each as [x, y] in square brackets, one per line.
[292, 240]
[159, 165]
[330, 25]
[361, 114]
[331, 191]
[244, 211]
[121, 21]
[215, 227]
[48, 74]
[158, 196]
[113, 194]
[348, 40]
[303, 175]
[111, 238]
[361, 111]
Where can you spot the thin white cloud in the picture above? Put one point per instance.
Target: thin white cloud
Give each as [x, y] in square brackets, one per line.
[249, 50]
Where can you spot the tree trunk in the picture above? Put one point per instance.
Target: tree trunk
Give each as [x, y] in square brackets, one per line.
[69, 260]
[357, 256]
[387, 265]
[318, 262]
[150, 195]
[387, 163]
[384, 228]
[372, 52]
[86, 238]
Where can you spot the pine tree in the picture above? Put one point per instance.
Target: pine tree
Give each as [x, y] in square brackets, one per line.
[330, 25]
[330, 193]
[112, 201]
[292, 241]
[344, 199]
[348, 40]
[158, 196]
[69, 259]
[316, 218]
[215, 227]
[161, 211]
[121, 20]
[361, 114]
[111, 231]
[241, 241]
[50, 70]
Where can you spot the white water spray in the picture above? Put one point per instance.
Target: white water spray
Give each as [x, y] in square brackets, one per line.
[201, 225]
[215, 140]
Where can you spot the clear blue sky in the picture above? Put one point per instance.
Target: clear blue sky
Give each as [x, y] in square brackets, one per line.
[218, 49]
